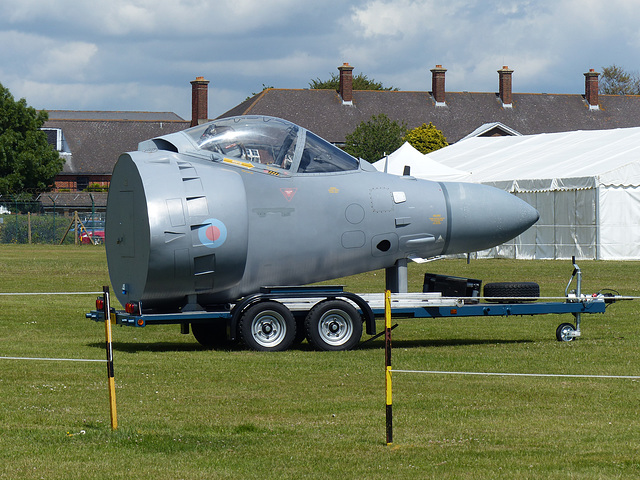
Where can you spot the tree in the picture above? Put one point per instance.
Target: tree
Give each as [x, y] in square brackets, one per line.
[616, 81]
[426, 138]
[27, 162]
[360, 82]
[376, 137]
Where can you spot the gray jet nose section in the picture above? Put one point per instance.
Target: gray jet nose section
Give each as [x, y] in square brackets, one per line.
[482, 217]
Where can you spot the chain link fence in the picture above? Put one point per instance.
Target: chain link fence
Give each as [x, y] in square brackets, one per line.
[30, 223]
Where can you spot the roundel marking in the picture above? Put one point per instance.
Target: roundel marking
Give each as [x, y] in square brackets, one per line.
[212, 233]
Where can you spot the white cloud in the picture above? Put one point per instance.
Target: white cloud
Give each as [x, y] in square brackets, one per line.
[547, 42]
[116, 96]
[283, 67]
[31, 56]
[132, 53]
[399, 17]
[66, 61]
[158, 18]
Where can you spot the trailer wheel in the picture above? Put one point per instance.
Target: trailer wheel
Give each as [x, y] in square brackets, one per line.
[301, 332]
[512, 289]
[333, 325]
[210, 335]
[268, 326]
[564, 332]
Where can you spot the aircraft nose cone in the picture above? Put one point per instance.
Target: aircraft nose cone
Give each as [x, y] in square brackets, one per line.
[482, 217]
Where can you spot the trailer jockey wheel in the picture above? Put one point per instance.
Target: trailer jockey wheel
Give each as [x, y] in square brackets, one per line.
[268, 327]
[565, 332]
[333, 325]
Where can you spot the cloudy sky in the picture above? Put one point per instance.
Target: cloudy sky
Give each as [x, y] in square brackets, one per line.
[142, 54]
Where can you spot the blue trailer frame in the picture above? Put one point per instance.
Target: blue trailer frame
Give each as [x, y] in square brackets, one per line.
[300, 299]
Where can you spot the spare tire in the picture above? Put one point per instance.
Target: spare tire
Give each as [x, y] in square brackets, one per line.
[525, 291]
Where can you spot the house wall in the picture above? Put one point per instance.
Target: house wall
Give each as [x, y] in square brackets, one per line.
[74, 183]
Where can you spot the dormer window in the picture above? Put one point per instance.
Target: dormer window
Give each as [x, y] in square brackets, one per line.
[55, 138]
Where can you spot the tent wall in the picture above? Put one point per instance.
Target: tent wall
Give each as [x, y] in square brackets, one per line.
[585, 184]
[575, 224]
[567, 227]
[619, 212]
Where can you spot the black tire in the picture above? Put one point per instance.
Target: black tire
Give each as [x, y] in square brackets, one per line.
[212, 334]
[267, 327]
[512, 289]
[301, 333]
[333, 325]
[563, 332]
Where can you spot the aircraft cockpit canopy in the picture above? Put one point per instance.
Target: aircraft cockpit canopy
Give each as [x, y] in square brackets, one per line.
[271, 142]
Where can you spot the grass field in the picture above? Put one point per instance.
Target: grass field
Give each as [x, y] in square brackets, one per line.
[185, 412]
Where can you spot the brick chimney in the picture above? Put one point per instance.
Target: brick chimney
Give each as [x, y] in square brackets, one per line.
[591, 89]
[199, 101]
[346, 84]
[437, 84]
[505, 86]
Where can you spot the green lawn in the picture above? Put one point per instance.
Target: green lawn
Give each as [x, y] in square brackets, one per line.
[186, 412]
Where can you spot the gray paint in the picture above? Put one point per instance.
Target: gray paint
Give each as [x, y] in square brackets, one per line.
[268, 225]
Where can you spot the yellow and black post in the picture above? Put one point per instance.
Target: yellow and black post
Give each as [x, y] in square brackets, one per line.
[387, 362]
[110, 374]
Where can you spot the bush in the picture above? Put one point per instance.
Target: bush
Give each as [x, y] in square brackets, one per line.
[426, 138]
[96, 187]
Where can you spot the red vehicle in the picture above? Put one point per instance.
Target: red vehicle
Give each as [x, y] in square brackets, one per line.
[91, 232]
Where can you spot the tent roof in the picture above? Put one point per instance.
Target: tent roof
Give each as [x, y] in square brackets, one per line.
[421, 165]
[551, 161]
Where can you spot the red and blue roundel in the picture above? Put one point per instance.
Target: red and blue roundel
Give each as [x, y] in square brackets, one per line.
[212, 233]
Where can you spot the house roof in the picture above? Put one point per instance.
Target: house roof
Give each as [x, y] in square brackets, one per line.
[492, 129]
[96, 139]
[118, 115]
[73, 199]
[323, 112]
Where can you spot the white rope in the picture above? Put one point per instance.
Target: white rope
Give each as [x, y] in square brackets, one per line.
[533, 299]
[49, 293]
[53, 359]
[530, 299]
[437, 372]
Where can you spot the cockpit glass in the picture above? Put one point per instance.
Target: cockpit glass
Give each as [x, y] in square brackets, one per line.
[271, 142]
[320, 156]
[262, 140]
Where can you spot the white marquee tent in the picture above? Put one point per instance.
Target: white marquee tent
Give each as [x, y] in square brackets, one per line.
[421, 165]
[585, 184]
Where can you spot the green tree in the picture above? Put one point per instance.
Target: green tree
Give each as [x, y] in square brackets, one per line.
[616, 81]
[426, 138]
[360, 82]
[27, 162]
[374, 138]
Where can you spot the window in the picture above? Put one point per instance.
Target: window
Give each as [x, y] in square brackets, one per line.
[320, 156]
[262, 140]
[54, 137]
[82, 183]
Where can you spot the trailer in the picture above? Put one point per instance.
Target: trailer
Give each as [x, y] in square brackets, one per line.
[330, 318]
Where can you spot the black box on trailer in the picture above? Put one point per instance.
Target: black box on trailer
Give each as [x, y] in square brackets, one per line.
[452, 286]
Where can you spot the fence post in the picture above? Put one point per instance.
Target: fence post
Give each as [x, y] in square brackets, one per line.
[387, 361]
[110, 374]
[29, 226]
